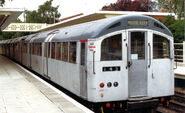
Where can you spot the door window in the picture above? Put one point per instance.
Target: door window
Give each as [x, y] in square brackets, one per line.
[137, 45]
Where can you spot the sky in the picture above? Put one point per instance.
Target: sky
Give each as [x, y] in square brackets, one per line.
[66, 7]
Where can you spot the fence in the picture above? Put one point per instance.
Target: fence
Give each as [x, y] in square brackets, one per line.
[179, 49]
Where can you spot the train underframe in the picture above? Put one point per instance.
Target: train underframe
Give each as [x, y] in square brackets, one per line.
[139, 106]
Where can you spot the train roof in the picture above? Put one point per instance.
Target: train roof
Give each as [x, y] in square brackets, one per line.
[95, 29]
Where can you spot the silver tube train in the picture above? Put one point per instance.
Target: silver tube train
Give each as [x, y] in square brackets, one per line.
[124, 61]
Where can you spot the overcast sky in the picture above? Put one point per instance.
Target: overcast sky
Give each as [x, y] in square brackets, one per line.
[66, 7]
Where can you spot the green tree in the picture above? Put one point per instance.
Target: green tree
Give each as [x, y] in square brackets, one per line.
[46, 13]
[176, 27]
[173, 6]
[131, 5]
[2, 2]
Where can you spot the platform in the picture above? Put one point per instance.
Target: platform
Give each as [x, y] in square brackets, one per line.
[180, 72]
[22, 92]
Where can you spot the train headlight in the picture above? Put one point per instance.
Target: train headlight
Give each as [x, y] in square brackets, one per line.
[109, 84]
[101, 85]
[115, 84]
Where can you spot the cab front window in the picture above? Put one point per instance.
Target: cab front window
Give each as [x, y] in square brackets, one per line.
[111, 48]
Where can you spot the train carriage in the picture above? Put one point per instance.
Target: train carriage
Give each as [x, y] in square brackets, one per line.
[126, 59]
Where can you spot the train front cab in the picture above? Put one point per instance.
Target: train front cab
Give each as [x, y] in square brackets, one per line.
[133, 66]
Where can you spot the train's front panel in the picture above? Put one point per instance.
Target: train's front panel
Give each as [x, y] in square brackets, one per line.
[131, 64]
[107, 68]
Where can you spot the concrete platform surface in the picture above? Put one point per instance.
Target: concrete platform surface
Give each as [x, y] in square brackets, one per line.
[180, 72]
[20, 92]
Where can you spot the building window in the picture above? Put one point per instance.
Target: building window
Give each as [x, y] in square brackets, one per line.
[72, 52]
[161, 48]
[58, 51]
[111, 48]
[65, 52]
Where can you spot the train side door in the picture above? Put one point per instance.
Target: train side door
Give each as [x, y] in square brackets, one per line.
[46, 57]
[83, 70]
[137, 64]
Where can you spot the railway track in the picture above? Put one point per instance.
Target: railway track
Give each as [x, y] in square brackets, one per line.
[177, 104]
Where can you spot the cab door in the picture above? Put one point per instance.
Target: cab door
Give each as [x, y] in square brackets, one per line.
[137, 63]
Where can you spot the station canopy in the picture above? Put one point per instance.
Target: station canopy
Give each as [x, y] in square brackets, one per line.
[82, 18]
[8, 15]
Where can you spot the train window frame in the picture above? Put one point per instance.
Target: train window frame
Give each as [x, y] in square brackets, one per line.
[65, 51]
[49, 50]
[137, 42]
[58, 51]
[53, 50]
[111, 56]
[40, 47]
[82, 54]
[45, 49]
[72, 52]
[156, 56]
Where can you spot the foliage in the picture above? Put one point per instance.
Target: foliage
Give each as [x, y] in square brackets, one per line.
[172, 6]
[45, 14]
[130, 5]
[2, 2]
[176, 27]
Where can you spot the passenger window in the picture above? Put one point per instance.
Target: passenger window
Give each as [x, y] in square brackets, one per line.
[161, 48]
[82, 62]
[32, 48]
[58, 51]
[72, 52]
[65, 52]
[49, 56]
[111, 48]
[40, 49]
[53, 50]
[45, 49]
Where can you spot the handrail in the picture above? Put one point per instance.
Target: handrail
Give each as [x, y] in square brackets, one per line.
[179, 50]
[127, 55]
[150, 52]
[94, 62]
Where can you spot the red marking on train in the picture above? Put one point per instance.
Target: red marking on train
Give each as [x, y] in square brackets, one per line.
[91, 43]
[92, 46]
[91, 49]
[83, 40]
[101, 90]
